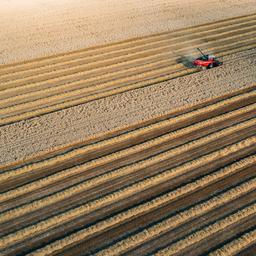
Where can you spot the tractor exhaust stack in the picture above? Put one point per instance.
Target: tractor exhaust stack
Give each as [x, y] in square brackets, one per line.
[201, 52]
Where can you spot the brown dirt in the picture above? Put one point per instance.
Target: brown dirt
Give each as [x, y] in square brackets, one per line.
[125, 148]
[207, 148]
[26, 138]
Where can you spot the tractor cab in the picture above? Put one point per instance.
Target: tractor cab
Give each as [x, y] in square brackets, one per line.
[211, 57]
[204, 58]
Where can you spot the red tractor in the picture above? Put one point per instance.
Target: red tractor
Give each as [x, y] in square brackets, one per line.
[206, 61]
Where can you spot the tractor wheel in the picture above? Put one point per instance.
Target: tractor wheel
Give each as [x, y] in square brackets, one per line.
[210, 66]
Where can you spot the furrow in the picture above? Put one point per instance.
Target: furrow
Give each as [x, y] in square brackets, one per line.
[62, 195]
[88, 184]
[210, 230]
[16, 97]
[102, 92]
[198, 127]
[207, 35]
[145, 53]
[41, 62]
[184, 217]
[144, 208]
[63, 149]
[237, 245]
[173, 122]
[123, 193]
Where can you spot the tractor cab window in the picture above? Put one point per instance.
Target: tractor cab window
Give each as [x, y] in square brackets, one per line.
[205, 57]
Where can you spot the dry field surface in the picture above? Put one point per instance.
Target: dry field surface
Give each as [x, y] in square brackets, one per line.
[102, 88]
[32, 29]
[182, 183]
[45, 85]
[179, 180]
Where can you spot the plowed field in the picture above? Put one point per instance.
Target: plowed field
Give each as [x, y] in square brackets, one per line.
[181, 183]
[142, 190]
[49, 84]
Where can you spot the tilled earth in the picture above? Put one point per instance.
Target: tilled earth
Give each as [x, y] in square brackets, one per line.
[126, 149]
[169, 185]
[34, 136]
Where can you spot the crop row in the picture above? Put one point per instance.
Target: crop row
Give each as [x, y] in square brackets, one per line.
[142, 132]
[27, 105]
[129, 54]
[89, 184]
[76, 80]
[69, 57]
[182, 218]
[118, 195]
[236, 245]
[208, 231]
[136, 149]
[153, 204]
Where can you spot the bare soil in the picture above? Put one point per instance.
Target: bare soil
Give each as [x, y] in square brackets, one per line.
[166, 168]
[23, 139]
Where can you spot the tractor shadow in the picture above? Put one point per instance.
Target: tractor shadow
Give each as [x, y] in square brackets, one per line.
[186, 60]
